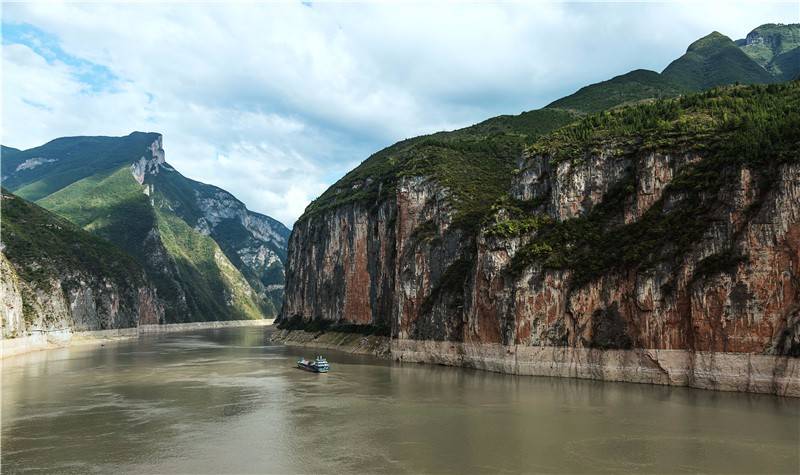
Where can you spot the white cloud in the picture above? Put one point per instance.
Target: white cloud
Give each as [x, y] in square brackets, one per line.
[293, 96]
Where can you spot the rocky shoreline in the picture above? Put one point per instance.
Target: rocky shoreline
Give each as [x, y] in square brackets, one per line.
[46, 340]
[719, 371]
[742, 372]
[355, 343]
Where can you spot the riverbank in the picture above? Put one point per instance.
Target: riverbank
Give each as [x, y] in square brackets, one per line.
[348, 342]
[45, 340]
[741, 372]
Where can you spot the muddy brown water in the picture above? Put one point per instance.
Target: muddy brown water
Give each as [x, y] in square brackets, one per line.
[227, 401]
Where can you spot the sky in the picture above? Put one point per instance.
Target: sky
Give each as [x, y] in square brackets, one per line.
[276, 101]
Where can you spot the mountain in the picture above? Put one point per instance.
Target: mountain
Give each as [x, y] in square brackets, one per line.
[715, 60]
[653, 242]
[207, 255]
[769, 54]
[775, 48]
[55, 275]
[628, 88]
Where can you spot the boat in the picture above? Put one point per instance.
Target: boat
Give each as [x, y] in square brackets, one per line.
[319, 365]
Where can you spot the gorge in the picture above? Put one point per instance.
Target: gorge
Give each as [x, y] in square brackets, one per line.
[644, 229]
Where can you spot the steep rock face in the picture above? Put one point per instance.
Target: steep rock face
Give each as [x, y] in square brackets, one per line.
[388, 266]
[149, 165]
[258, 249]
[379, 266]
[11, 310]
[750, 307]
[428, 246]
[347, 275]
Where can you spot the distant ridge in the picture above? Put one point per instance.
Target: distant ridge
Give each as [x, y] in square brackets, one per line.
[770, 53]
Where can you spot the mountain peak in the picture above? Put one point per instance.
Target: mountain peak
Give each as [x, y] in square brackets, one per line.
[712, 40]
[715, 60]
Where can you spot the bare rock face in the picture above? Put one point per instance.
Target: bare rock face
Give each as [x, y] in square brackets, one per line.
[265, 240]
[149, 164]
[751, 307]
[348, 274]
[75, 302]
[402, 263]
[13, 322]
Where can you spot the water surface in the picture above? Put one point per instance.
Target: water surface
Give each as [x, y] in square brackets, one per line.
[228, 401]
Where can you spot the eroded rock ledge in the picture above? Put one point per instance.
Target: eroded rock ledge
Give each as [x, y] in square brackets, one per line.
[743, 372]
[704, 370]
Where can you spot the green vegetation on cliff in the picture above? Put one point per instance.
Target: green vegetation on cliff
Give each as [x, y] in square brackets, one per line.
[43, 247]
[183, 197]
[775, 47]
[113, 205]
[743, 121]
[628, 88]
[715, 60]
[757, 127]
[475, 164]
[218, 290]
[110, 204]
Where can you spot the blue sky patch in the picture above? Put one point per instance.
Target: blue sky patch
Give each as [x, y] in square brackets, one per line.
[95, 77]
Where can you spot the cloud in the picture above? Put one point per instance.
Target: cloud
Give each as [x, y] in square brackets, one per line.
[275, 101]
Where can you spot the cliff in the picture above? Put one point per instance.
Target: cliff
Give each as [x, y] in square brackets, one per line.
[654, 243]
[55, 276]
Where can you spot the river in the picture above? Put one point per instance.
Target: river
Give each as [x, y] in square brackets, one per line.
[228, 401]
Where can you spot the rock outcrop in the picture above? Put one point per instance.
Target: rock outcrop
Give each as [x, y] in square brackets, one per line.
[95, 304]
[149, 164]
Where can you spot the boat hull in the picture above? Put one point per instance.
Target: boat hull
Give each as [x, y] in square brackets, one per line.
[312, 369]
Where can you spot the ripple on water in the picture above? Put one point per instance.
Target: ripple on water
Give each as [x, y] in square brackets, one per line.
[222, 401]
[680, 453]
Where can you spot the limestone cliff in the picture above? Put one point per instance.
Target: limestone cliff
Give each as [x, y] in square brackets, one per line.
[636, 243]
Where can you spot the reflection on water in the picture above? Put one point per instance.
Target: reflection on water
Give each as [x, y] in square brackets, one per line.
[226, 401]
